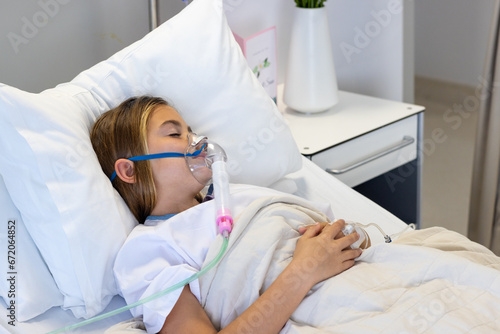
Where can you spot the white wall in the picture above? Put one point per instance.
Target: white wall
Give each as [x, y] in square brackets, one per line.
[451, 39]
[46, 42]
[373, 48]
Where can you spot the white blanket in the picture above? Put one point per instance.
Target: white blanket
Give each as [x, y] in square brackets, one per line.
[432, 281]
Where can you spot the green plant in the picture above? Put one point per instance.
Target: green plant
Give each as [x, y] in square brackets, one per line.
[310, 3]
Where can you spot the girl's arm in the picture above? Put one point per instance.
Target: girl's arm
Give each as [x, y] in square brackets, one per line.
[318, 256]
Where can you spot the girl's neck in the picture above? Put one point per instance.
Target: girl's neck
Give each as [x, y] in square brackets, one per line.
[174, 207]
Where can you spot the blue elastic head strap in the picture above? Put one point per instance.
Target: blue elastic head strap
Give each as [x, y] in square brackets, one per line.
[160, 156]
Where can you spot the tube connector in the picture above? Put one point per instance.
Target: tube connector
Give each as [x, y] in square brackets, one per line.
[225, 223]
[220, 178]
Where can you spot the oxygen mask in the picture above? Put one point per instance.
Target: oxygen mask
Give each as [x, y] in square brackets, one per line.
[201, 153]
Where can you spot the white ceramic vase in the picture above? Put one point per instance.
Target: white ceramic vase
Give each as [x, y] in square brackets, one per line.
[310, 82]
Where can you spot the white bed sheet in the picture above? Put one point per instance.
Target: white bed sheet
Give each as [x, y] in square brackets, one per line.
[310, 182]
[56, 318]
[316, 185]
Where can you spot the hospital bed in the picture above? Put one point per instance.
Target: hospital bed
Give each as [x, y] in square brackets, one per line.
[309, 182]
[70, 223]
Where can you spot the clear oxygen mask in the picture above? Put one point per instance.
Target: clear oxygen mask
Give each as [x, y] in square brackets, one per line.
[207, 162]
[201, 153]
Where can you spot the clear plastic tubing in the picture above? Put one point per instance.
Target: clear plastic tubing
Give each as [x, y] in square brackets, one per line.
[150, 298]
[220, 179]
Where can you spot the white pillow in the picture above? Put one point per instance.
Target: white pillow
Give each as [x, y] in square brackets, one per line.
[73, 214]
[33, 289]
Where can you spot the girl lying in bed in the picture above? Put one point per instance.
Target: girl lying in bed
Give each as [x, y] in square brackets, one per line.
[164, 250]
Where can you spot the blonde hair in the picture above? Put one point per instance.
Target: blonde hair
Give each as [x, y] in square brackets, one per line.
[122, 133]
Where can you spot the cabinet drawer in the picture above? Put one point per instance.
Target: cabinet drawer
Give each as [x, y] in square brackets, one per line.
[370, 155]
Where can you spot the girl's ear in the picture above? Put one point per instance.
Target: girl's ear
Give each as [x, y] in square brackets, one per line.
[125, 170]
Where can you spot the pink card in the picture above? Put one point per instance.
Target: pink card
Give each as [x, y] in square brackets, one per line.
[260, 52]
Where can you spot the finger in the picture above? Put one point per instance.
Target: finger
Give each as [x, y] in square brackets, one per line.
[347, 264]
[303, 229]
[312, 230]
[348, 240]
[334, 229]
[340, 221]
[351, 254]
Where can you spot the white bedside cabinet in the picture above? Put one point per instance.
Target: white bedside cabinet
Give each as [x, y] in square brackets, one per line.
[371, 144]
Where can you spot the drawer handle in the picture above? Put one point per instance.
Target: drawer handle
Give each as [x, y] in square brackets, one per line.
[407, 140]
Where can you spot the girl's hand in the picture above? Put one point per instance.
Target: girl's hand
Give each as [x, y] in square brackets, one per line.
[303, 229]
[318, 256]
[323, 251]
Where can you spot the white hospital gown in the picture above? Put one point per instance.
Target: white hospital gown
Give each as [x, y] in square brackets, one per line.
[161, 253]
